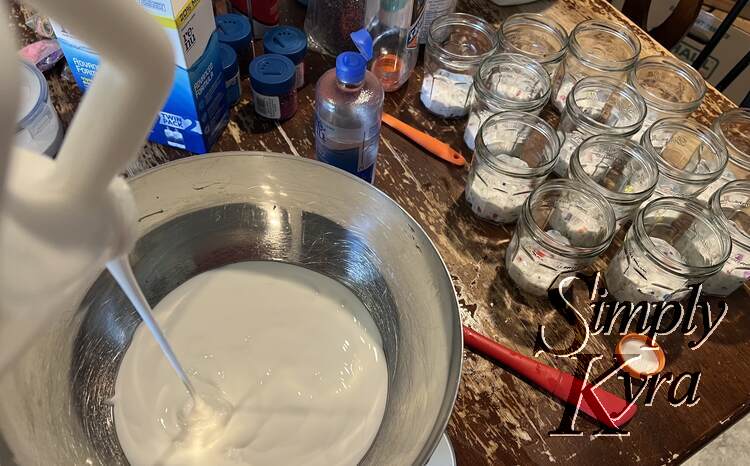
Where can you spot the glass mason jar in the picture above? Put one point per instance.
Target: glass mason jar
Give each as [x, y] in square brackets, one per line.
[619, 169]
[673, 243]
[596, 48]
[731, 206]
[670, 87]
[562, 228]
[598, 105]
[689, 156]
[536, 36]
[515, 151]
[733, 129]
[456, 44]
[506, 81]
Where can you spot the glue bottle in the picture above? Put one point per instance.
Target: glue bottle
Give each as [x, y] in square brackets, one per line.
[348, 108]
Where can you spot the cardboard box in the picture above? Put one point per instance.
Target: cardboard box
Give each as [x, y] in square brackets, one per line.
[730, 50]
[196, 111]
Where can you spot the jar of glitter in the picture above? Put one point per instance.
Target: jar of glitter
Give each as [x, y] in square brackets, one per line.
[690, 156]
[231, 74]
[670, 87]
[733, 129]
[290, 42]
[456, 44]
[598, 105]
[731, 207]
[514, 153]
[673, 243]
[506, 81]
[596, 48]
[563, 227]
[272, 78]
[536, 36]
[235, 31]
[618, 169]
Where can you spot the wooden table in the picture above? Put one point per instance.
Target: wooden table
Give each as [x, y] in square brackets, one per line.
[498, 418]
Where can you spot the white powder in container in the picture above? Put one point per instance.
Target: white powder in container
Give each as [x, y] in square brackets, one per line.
[446, 94]
[495, 196]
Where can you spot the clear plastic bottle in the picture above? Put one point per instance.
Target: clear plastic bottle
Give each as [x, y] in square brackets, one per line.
[395, 34]
[348, 108]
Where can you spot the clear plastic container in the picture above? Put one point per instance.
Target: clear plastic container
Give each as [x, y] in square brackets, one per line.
[733, 129]
[456, 44]
[395, 33]
[670, 87]
[506, 81]
[563, 227]
[596, 48]
[536, 36]
[619, 169]
[731, 206]
[348, 110]
[514, 153]
[598, 105]
[672, 244]
[38, 127]
[689, 155]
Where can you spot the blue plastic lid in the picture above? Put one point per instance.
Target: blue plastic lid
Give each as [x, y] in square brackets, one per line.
[286, 40]
[228, 61]
[272, 74]
[234, 30]
[351, 66]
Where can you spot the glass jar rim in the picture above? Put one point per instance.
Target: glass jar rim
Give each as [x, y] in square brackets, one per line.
[742, 113]
[521, 61]
[540, 22]
[529, 120]
[681, 69]
[625, 89]
[615, 29]
[701, 132]
[680, 268]
[716, 208]
[461, 19]
[527, 219]
[634, 151]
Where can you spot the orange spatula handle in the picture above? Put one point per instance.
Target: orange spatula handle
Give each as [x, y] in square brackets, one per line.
[429, 143]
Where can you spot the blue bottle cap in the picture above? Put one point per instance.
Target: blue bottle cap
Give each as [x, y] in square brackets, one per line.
[234, 30]
[228, 61]
[272, 74]
[286, 40]
[351, 66]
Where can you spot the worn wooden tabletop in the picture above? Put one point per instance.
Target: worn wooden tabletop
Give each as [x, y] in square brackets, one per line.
[499, 418]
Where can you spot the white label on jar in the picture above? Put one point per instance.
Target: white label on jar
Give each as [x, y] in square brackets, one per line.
[267, 106]
[299, 75]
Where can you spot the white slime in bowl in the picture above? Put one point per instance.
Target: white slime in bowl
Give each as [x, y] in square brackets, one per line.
[288, 364]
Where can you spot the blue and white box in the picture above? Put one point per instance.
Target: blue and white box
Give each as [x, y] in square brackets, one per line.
[196, 112]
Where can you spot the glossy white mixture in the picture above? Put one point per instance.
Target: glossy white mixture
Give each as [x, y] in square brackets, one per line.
[288, 363]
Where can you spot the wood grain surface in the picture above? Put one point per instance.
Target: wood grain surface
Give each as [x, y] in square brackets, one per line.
[499, 418]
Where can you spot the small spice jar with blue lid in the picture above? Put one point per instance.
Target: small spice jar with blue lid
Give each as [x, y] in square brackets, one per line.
[290, 42]
[272, 78]
[236, 31]
[231, 73]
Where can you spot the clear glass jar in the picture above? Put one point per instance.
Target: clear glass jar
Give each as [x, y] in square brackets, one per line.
[619, 169]
[506, 81]
[515, 151]
[731, 206]
[456, 44]
[563, 227]
[598, 105]
[673, 243]
[670, 87]
[689, 156]
[596, 48]
[733, 129]
[536, 36]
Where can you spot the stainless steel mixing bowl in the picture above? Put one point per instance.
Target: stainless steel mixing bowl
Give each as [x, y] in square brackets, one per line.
[204, 212]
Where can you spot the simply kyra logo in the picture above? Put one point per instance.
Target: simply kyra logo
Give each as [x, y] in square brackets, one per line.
[651, 319]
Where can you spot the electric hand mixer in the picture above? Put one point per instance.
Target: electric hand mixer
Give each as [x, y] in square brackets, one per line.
[62, 220]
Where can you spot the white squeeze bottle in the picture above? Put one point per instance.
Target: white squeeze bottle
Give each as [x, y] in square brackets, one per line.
[348, 108]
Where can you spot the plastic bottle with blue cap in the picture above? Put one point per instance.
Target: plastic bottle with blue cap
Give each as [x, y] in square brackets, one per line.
[348, 108]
